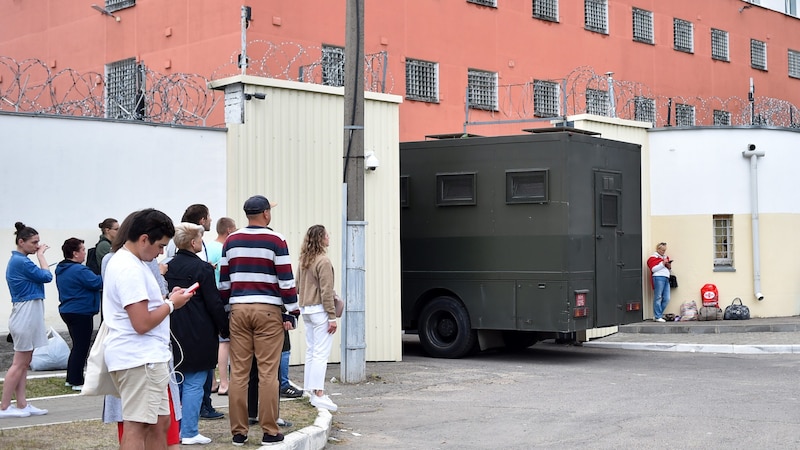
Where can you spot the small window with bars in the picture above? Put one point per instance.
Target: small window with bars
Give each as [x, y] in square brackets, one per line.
[719, 45]
[642, 26]
[332, 65]
[492, 3]
[454, 189]
[723, 240]
[546, 10]
[683, 35]
[794, 63]
[482, 89]
[124, 96]
[684, 115]
[545, 98]
[758, 54]
[644, 109]
[526, 186]
[597, 102]
[116, 5]
[722, 118]
[422, 80]
[595, 14]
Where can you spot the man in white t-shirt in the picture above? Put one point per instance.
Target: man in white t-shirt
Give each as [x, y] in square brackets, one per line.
[137, 348]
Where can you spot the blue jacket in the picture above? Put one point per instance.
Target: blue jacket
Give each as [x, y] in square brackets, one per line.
[25, 279]
[78, 288]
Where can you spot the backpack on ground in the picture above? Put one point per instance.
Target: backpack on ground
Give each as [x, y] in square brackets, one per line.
[91, 260]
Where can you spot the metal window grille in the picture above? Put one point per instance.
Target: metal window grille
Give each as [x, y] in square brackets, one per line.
[482, 89]
[723, 240]
[455, 189]
[596, 15]
[492, 3]
[422, 80]
[545, 98]
[124, 99]
[597, 102]
[642, 26]
[722, 118]
[684, 115]
[332, 65]
[116, 5]
[719, 45]
[758, 54]
[794, 64]
[644, 109]
[683, 35]
[546, 10]
[527, 186]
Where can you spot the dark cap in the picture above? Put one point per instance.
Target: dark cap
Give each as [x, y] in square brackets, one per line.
[257, 204]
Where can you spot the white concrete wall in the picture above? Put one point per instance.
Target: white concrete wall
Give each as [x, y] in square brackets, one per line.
[696, 173]
[64, 175]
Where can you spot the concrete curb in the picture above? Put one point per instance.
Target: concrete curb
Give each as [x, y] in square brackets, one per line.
[698, 348]
[314, 437]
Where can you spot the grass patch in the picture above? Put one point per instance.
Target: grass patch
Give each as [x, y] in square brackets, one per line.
[45, 387]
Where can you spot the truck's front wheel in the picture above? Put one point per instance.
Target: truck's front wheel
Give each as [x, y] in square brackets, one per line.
[445, 330]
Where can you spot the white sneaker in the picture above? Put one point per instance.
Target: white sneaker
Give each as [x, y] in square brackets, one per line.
[323, 402]
[660, 319]
[198, 439]
[77, 388]
[13, 411]
[33, 411]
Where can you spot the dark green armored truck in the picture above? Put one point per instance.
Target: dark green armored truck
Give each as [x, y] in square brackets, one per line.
[510, 240]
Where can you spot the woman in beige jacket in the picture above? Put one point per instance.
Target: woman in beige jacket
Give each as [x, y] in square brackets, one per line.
[315, 289]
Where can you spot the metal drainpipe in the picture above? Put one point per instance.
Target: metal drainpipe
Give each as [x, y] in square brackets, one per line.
[753, 154]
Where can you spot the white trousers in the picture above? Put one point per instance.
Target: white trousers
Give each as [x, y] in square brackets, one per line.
[318, 349]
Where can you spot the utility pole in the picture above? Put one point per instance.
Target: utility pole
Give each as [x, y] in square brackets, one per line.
[353, 367]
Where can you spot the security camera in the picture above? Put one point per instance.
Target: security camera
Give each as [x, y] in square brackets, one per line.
[759, 296]
[371, 161]
[751, 147]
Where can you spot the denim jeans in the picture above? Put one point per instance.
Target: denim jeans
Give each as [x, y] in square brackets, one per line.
[283, 370]
[660, 296]
[191, 397]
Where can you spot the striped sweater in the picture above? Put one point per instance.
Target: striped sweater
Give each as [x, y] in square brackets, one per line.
[256, 268]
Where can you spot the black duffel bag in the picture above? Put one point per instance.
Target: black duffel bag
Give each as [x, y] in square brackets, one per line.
[737, 311]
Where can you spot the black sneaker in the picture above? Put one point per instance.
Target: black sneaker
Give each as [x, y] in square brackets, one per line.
[269, 439]
[211, 415]
[239, 439]
[291, 392]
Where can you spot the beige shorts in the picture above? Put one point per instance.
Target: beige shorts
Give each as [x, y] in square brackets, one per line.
[143, 391]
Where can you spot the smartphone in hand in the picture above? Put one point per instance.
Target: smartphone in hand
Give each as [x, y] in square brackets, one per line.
[192, 288]
[290, 318]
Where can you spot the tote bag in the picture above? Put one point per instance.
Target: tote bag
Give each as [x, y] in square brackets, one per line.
[98, 381]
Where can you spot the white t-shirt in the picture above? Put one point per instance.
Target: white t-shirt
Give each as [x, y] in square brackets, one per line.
[128, 280]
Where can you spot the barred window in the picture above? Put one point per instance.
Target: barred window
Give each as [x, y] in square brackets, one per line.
[722, 118]
[124, 97]
[492, 3]
[683, 35]
[644, 109]
[794, 63]
[723, 240]
[546, 10]
[596, 15]
[482, 89]
[597, 102]
[116, 5]
[545, 98]
[455, 189]
[758, 54]
[332, 65]
[719, 45]
[642, 26]
[684, 115]
[422, 80]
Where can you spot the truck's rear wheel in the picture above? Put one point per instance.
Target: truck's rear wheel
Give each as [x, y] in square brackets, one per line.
[445, 330]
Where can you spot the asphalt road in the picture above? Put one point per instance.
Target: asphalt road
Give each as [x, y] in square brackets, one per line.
[563, 397]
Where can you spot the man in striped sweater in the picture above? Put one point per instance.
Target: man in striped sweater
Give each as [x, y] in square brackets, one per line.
[256, 280]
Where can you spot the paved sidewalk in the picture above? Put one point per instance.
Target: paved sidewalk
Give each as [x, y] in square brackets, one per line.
[769, 335]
